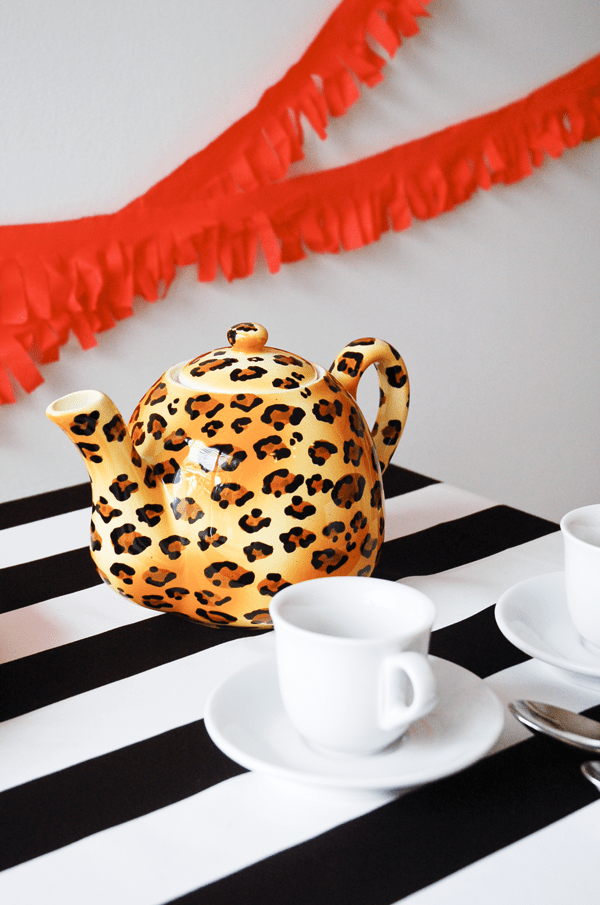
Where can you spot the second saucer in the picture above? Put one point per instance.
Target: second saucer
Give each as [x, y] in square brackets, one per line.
[533, 615]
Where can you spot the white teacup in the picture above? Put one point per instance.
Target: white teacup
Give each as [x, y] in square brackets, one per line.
[581, 534]
[352, 661]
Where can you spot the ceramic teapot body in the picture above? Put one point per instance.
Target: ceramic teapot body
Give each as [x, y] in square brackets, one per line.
[239, 473]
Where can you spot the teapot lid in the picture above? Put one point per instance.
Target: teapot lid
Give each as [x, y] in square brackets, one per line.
[247, 363]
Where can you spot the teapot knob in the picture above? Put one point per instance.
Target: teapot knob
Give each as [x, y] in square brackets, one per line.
[247, 337]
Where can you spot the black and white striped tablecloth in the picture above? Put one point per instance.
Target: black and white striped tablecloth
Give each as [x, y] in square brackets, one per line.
[112, 792]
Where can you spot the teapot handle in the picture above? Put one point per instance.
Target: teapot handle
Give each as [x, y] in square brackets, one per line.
[394, 389]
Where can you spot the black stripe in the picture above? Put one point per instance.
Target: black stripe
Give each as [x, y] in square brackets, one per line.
[498, 792]
[459, 542]
[61, 672]
[477, 644]
[434, 550]
[65, 573]
[45, 505]
[42, 579]
[421, 837]
[397, 481]
[55, 674]
[48, 813]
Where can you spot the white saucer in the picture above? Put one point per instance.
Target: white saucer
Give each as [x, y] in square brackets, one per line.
[533, 616]
[245, 718]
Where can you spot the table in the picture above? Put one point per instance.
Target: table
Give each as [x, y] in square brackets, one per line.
[111, 790]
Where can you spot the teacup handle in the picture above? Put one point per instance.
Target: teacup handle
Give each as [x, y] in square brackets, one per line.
[393, 713]
[394, 389]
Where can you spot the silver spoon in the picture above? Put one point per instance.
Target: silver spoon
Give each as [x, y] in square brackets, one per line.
[569, 727]
[591, 771]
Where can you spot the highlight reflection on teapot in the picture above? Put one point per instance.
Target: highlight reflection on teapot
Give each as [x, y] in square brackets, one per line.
[240, 472]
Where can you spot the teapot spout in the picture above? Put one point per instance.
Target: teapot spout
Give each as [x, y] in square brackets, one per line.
[94, 424]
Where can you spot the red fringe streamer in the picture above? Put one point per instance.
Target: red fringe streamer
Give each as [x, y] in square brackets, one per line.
[261, 146]
[82, 276]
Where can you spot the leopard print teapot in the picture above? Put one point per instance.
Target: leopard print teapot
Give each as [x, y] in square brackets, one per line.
[239, 473]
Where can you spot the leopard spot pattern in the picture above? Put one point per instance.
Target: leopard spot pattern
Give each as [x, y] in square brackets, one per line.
[232, 496]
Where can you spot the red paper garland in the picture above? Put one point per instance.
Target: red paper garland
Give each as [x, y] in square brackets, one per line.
[232, 197]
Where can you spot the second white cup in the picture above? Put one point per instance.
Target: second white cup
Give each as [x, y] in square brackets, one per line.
[352, 661]
[581, 535]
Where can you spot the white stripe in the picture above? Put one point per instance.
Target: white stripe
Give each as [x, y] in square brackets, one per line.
[429, 506]
[461, 592]
[65, 619]
[142, 706]
[537, 681]
[91, 611]
[155, 858]
[122, 713]
[46, 537]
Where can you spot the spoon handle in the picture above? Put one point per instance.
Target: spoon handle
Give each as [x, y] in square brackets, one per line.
[591, 771]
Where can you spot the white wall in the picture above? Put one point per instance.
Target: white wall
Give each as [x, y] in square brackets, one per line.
[494, 306]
